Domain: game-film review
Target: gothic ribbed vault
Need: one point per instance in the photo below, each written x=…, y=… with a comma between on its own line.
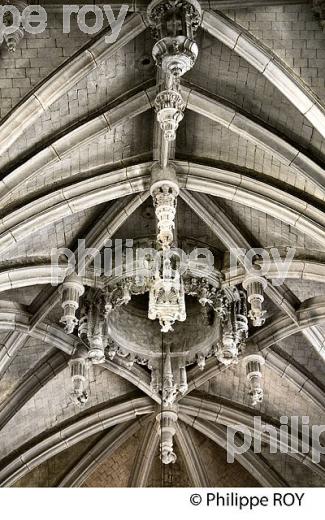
x=81, y=154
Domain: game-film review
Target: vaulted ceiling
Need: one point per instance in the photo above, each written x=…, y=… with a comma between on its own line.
x=78, y=139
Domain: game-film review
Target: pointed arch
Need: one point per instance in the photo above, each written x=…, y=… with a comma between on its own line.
x=268, y=64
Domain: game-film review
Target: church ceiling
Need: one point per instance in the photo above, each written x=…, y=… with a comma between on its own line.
x=205, y=134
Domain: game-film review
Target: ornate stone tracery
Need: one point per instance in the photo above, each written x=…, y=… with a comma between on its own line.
x=254, y=363
x=164, y=194
x=174, y=24
x=169, y=106
x=78, y=373
x=255, y=286
x=72, y=289
x=167, y=297
x=231, y=308
x=167, y=420
x=175, y=56
x=168, y=376
x=159, y=278
x=225, y=313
